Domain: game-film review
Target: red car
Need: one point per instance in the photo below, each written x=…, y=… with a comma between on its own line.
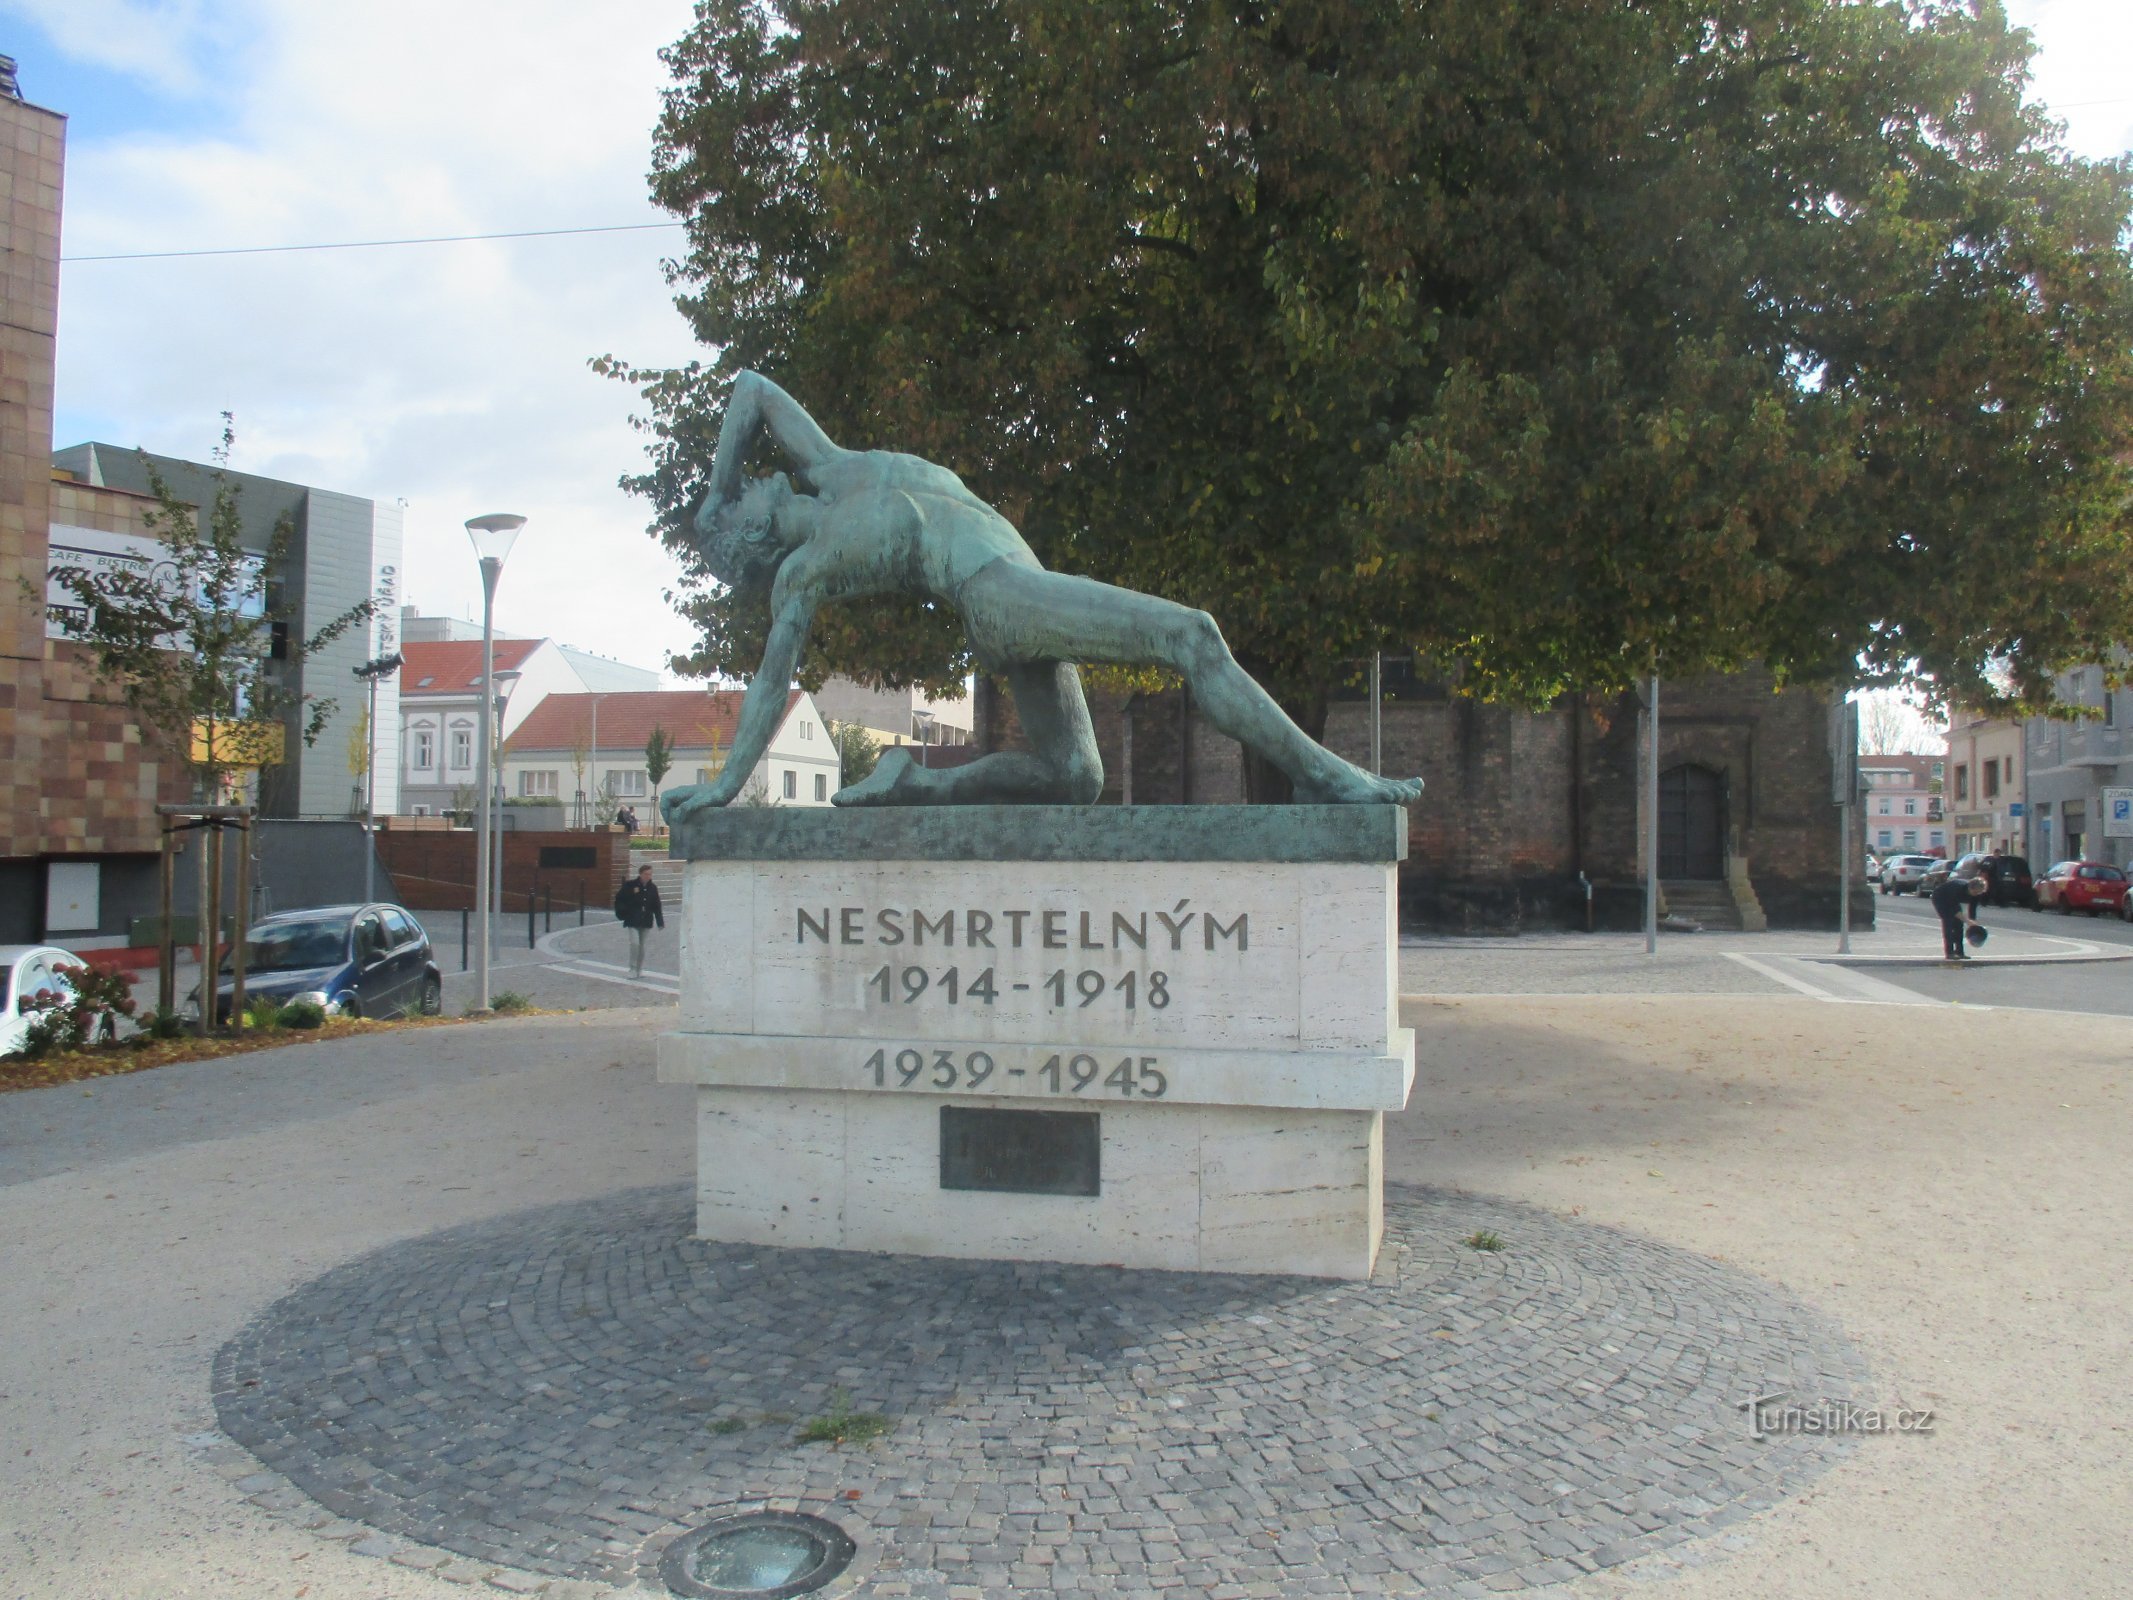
x=2090, y=886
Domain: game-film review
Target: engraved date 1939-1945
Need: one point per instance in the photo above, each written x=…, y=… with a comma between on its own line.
x=973, y=1069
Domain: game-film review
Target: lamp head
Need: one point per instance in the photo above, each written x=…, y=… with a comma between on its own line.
x=493, y=535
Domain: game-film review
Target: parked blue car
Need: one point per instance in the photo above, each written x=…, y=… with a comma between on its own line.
x=356, y=961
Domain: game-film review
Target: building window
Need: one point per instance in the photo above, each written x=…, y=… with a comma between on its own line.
x=1910, y=839
x=537, y=783
x=821, y=787
x=425, y=750
x=706, y=774
x=462, y=747
x=1962, y=783
x=807, y=729
x=626, y=785
x=2110, y=709
x=792, y=785
x=1910, y=808
x=1991, y=789
x=1886, y=838
x=1885, y=805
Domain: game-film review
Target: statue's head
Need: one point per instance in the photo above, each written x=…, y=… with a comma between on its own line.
x=743, y=543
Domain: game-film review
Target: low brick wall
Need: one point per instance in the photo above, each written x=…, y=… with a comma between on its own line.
x=435, y=869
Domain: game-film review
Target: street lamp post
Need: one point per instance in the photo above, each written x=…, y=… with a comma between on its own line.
x=493, y=536
x=370, y=672
x=506, y=681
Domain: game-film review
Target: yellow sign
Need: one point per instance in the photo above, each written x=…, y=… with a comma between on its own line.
x=237, y=744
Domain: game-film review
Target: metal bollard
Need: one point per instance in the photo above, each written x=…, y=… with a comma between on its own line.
x=529, y=919
x=581, y=905
x=466, y=943
x=547, y=909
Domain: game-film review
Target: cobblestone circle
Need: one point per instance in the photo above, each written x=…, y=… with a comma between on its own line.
x=563, y=1391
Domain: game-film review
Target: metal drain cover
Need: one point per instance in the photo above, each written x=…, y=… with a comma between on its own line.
x=765, y=1555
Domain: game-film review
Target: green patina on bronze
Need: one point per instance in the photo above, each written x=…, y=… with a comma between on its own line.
x=1046, y=833
x=874, y=522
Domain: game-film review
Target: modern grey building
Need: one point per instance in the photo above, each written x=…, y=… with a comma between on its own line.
x=342, y=550
x=2071, y=767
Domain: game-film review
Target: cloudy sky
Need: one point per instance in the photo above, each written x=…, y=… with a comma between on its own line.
x=452, y=376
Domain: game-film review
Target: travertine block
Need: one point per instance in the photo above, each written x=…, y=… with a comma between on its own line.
x=1230, y=1024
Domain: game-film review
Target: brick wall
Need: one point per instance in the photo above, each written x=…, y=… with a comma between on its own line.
x=77, y=777
x=434, y=870
x=1518, y=803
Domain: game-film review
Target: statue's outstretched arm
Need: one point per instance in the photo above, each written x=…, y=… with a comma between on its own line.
x=760, y=406
x=763, y=706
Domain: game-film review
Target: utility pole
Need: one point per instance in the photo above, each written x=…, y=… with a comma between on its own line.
x=370, y=672
x=1377, y=712
x=1844, y=789
x=1651, y=816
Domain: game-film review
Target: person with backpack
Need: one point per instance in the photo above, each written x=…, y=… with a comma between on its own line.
x=637, y=908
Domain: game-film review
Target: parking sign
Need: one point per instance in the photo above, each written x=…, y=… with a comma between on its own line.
x=2118, y=813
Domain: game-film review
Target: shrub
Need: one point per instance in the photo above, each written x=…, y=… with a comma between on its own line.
x=303, y=1014
x=509, y=1001
x=101, y=996
x=263, y=1014
x=165, y=1022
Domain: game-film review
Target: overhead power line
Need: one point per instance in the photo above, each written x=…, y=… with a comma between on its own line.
x=371, y=244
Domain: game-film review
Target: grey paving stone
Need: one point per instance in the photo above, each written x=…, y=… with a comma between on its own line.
x=536, y=1394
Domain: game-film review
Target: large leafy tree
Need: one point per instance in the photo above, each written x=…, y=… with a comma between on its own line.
x=1555, y=344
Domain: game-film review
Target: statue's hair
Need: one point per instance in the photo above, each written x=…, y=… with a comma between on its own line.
x=741, y=544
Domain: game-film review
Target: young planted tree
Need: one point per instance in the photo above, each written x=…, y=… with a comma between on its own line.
x=359, y=762
x=856, y=751
x=193, y=642
x=658, y=762
x=580, y=763
x=1549, y=345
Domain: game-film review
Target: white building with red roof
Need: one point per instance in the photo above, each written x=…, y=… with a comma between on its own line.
x=573, y=748
x=440, y=707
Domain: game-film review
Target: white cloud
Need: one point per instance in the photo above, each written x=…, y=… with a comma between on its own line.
x=2083, y=69
x=452, y=376
x=156, y=42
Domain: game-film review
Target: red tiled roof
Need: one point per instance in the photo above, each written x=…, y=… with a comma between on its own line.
x=453, y=666
x=1919, y=767
x=691, y=717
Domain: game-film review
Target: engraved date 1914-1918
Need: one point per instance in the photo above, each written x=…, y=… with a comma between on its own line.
x=972, y=1069
x=1060, y=987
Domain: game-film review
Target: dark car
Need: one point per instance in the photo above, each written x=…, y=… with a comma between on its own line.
x=358, y=961
x=2007, y=878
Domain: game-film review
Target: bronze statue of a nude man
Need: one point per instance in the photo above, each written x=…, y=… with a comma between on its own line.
x=870, y=522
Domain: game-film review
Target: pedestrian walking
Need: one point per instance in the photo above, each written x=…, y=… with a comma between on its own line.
x=637, y=908
x=1951, y=900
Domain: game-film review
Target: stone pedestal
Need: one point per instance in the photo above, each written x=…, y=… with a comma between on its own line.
x=1153, y=1037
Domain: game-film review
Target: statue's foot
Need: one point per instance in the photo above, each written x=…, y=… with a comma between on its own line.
x=886, y=785
x=1355, y=787
x=679, y=805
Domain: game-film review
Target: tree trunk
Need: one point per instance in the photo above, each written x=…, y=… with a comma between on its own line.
x=1266, y=784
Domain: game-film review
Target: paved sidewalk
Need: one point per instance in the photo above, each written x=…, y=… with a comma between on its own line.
x=1902, y=942
x=1948, y=1186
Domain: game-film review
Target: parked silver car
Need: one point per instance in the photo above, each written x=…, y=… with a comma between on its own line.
x=1901, y=874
